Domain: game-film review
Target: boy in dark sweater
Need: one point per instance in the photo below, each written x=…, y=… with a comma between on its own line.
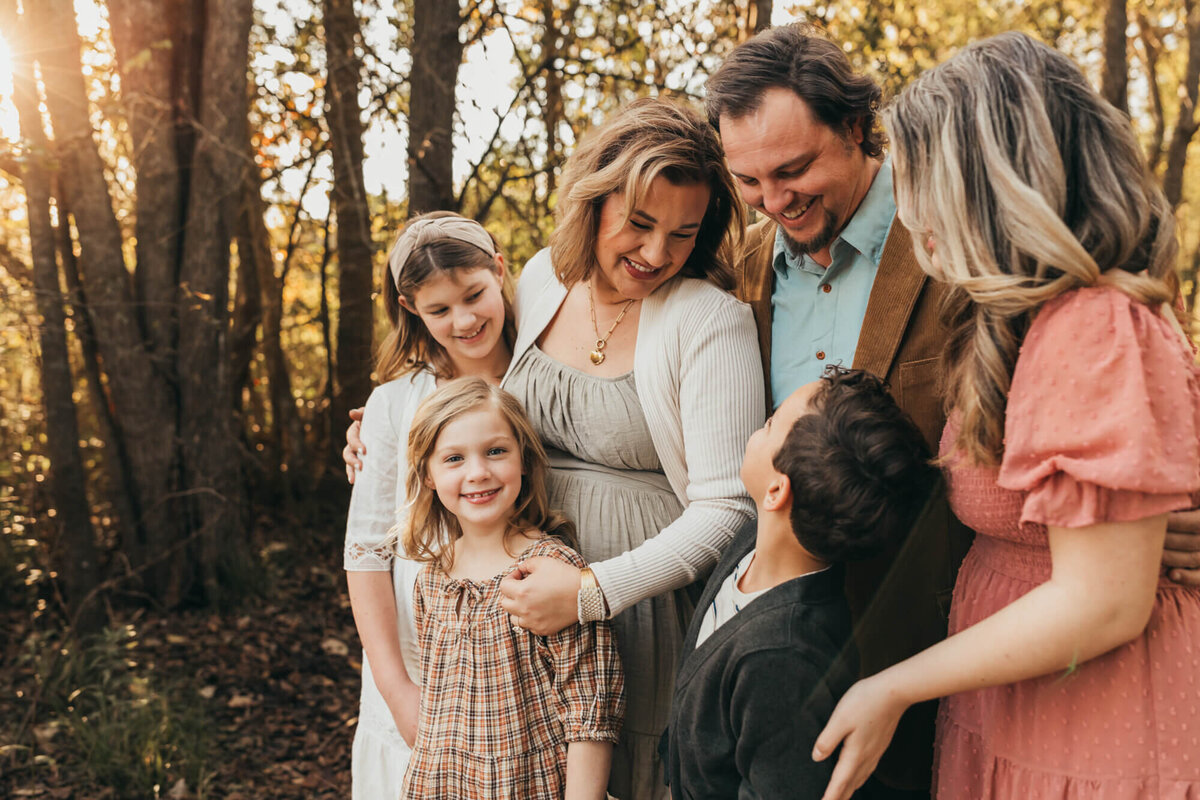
x=838, y=473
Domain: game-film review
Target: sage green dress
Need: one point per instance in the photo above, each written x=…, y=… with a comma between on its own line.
x=605, y=475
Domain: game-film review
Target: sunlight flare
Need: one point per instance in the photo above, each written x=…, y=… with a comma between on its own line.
x=8, y=112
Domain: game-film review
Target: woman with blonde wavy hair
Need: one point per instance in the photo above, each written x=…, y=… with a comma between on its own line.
x=1074, y=429
x=643, y=378
x=642, y=375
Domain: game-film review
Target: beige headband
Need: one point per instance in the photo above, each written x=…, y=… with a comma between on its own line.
x=425, y=231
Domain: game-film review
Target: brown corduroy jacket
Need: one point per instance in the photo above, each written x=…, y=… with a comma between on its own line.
x=899, y=600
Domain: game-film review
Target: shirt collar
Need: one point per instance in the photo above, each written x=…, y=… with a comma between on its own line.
x=866, y=231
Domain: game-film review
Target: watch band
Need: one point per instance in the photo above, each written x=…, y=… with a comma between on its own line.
x=590, y=601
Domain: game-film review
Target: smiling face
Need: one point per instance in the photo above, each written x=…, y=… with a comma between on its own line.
x=463, y=309
x=758, y=467
x=801, y=173
x=475, y=469
x=637, y=255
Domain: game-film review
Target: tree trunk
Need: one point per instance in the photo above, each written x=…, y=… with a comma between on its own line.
x=1151, y=47
x=143, y=405
x=247, y=309
x=1115, y=81
x=80, y=569
x=117, y=471
x=354, y=245
x=436, y=55
x=254, y=249
x=1185, y=124
x=760, y=14
x=146, y=52
x=552, y=111
x=216, y=502
x=331, y=433
x=166, y=358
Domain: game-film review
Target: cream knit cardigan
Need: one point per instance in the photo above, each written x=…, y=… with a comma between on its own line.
x=699, y=379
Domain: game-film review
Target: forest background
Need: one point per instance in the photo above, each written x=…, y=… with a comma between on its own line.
x=197, y=198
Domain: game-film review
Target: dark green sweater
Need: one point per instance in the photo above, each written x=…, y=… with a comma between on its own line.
x=750, y=702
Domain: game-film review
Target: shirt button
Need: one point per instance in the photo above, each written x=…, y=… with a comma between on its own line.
x=826, y=288
x=821, y=355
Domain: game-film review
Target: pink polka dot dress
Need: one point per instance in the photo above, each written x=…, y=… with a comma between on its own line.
x=1103, y=424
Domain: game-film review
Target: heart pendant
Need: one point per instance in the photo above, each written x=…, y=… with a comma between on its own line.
x=597, y=357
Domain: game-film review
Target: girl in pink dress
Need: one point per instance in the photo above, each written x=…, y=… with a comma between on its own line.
x=1072, y=666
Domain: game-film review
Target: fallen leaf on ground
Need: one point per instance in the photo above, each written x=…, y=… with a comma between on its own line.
x=241, y=701
x=335, y=647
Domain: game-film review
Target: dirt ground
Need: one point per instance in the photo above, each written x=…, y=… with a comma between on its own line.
x=272, y=690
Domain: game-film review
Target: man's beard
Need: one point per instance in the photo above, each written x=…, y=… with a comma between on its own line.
x=815, y=243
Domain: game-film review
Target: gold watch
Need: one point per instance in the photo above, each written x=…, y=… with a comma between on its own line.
x=590, y=602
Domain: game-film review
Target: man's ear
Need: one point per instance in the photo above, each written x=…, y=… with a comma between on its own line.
x=779, y=493
x=855, y=131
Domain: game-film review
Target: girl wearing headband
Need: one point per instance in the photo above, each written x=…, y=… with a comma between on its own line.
x=447, y=295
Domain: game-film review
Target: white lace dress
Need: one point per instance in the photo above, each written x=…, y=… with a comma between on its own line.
x=380, y=756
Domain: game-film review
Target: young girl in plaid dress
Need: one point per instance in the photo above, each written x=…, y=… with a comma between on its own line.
x=504, y=713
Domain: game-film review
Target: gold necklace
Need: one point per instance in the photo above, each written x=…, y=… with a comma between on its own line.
x=597, y=355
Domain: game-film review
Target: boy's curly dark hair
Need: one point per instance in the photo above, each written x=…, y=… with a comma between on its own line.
x=860, y=470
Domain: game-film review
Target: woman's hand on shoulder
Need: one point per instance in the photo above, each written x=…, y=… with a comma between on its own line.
x=863, y=724
x=541, y=595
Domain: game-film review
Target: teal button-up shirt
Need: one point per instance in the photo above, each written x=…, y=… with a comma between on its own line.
x=817, y=312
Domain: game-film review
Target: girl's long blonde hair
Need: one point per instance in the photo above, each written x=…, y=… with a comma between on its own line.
x=409, y=347
x=430, y=530
x=1031, y=185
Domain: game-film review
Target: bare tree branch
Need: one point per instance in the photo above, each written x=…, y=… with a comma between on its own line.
x=293, y=239
x=1151, y=42
x=1115, y=78
x=10, y=165
x=1186, y=123
x=15, y=267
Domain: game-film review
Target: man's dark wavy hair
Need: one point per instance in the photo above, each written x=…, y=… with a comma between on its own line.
x=799, y=58
x=860, y=470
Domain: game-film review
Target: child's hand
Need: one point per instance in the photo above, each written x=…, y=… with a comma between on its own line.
x=354, y=449
x=405, y=706
x=863, y=723
x=540, y=595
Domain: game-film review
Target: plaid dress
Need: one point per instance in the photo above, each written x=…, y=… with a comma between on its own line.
x=498, y=705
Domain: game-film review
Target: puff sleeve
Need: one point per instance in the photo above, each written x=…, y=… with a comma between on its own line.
x=374, y=500
x=1103, y=418
x=586, y=668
